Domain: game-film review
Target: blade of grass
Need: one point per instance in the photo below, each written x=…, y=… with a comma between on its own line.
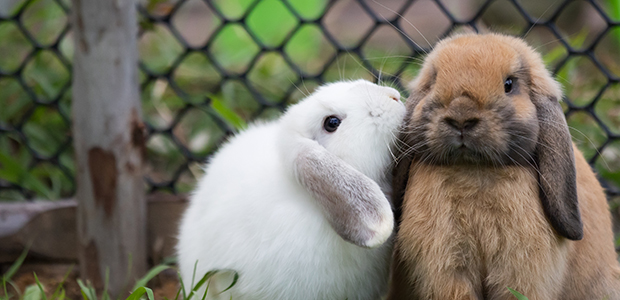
x=87, y=292
x=84, y=294
x=62, y=282
x=230, y=116
x=15, y=266
x=178, y=293
x=6, y=293
x=6, y=277
x=204, y=296
x=16, y=289
x=62, y=295
x=517, y=294
x=182, y=286
x=194, y=273
x=32, y=292
x=149, y=294
x=139, y=292
x=36, y=279
x=235, y=278
x=105, y=295
x=93, y=293
x=201, y=282
x=150, y=275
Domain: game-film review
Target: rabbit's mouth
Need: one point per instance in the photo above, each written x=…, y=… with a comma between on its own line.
x=475, y=148
x=460, y=155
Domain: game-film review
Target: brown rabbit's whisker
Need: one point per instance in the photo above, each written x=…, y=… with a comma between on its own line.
x=538, y=19
x=389, y=146
x=540, y=175
x=560, y=124
x=410, y=57
x=591, y=144
x=547, y=147
x=401, y=32
x=410, y=150
x=398, y=143
x=547, y=43
x=411, y=129
x=531, y=158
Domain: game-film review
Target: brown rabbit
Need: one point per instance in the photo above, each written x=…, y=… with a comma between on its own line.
x=492, y=186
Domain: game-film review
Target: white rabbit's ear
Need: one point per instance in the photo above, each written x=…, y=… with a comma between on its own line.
x=354, y=204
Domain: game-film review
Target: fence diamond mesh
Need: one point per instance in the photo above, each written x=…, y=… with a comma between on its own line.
x=210, y=67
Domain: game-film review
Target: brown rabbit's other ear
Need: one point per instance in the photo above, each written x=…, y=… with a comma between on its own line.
x=556, y=166
x=400, y=174
x=400, y=177
x=404, y=157
x=353, y=203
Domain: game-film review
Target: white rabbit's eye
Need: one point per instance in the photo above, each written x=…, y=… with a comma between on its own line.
x=331, y=123
x=508, y=85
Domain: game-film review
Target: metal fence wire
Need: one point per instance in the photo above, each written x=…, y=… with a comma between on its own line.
x=210, y=67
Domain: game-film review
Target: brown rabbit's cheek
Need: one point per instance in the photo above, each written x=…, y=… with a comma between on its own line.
x=420, y=126
x=524, y=108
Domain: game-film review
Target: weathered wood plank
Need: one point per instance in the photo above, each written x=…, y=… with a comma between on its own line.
x=50, y=228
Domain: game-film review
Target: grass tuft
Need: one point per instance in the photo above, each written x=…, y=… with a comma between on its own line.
x=517, y=294
x=87, y=290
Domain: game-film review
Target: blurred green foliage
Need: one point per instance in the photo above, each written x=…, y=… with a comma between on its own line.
x=190, y=103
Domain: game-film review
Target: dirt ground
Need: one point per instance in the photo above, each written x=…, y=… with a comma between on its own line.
x=165, y=285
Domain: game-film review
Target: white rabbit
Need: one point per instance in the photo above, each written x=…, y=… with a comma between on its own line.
x=296, y=206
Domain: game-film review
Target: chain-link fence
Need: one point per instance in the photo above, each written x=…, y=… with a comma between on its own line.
x=210, y=67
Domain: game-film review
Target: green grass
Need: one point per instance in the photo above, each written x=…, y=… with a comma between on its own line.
x=517, y=294
x=140, y=290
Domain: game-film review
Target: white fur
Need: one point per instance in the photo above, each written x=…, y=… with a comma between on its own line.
x=251, y=215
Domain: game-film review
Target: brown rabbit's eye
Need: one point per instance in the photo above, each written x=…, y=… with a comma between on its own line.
x=331, y=123
x=508, y=85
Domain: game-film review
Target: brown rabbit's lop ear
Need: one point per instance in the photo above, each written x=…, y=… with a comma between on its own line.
x=354, y=204
x=554, y=151
x=555, y=157
x=556, y=166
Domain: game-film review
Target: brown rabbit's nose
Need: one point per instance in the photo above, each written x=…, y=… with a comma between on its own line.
x=462, y=125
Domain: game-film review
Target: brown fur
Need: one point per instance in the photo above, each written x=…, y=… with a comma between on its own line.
x=474, y=224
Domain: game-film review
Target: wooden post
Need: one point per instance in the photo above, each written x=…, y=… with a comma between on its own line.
x=109, y=139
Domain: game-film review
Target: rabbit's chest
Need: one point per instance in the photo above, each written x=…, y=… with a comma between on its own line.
x=474, y=221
